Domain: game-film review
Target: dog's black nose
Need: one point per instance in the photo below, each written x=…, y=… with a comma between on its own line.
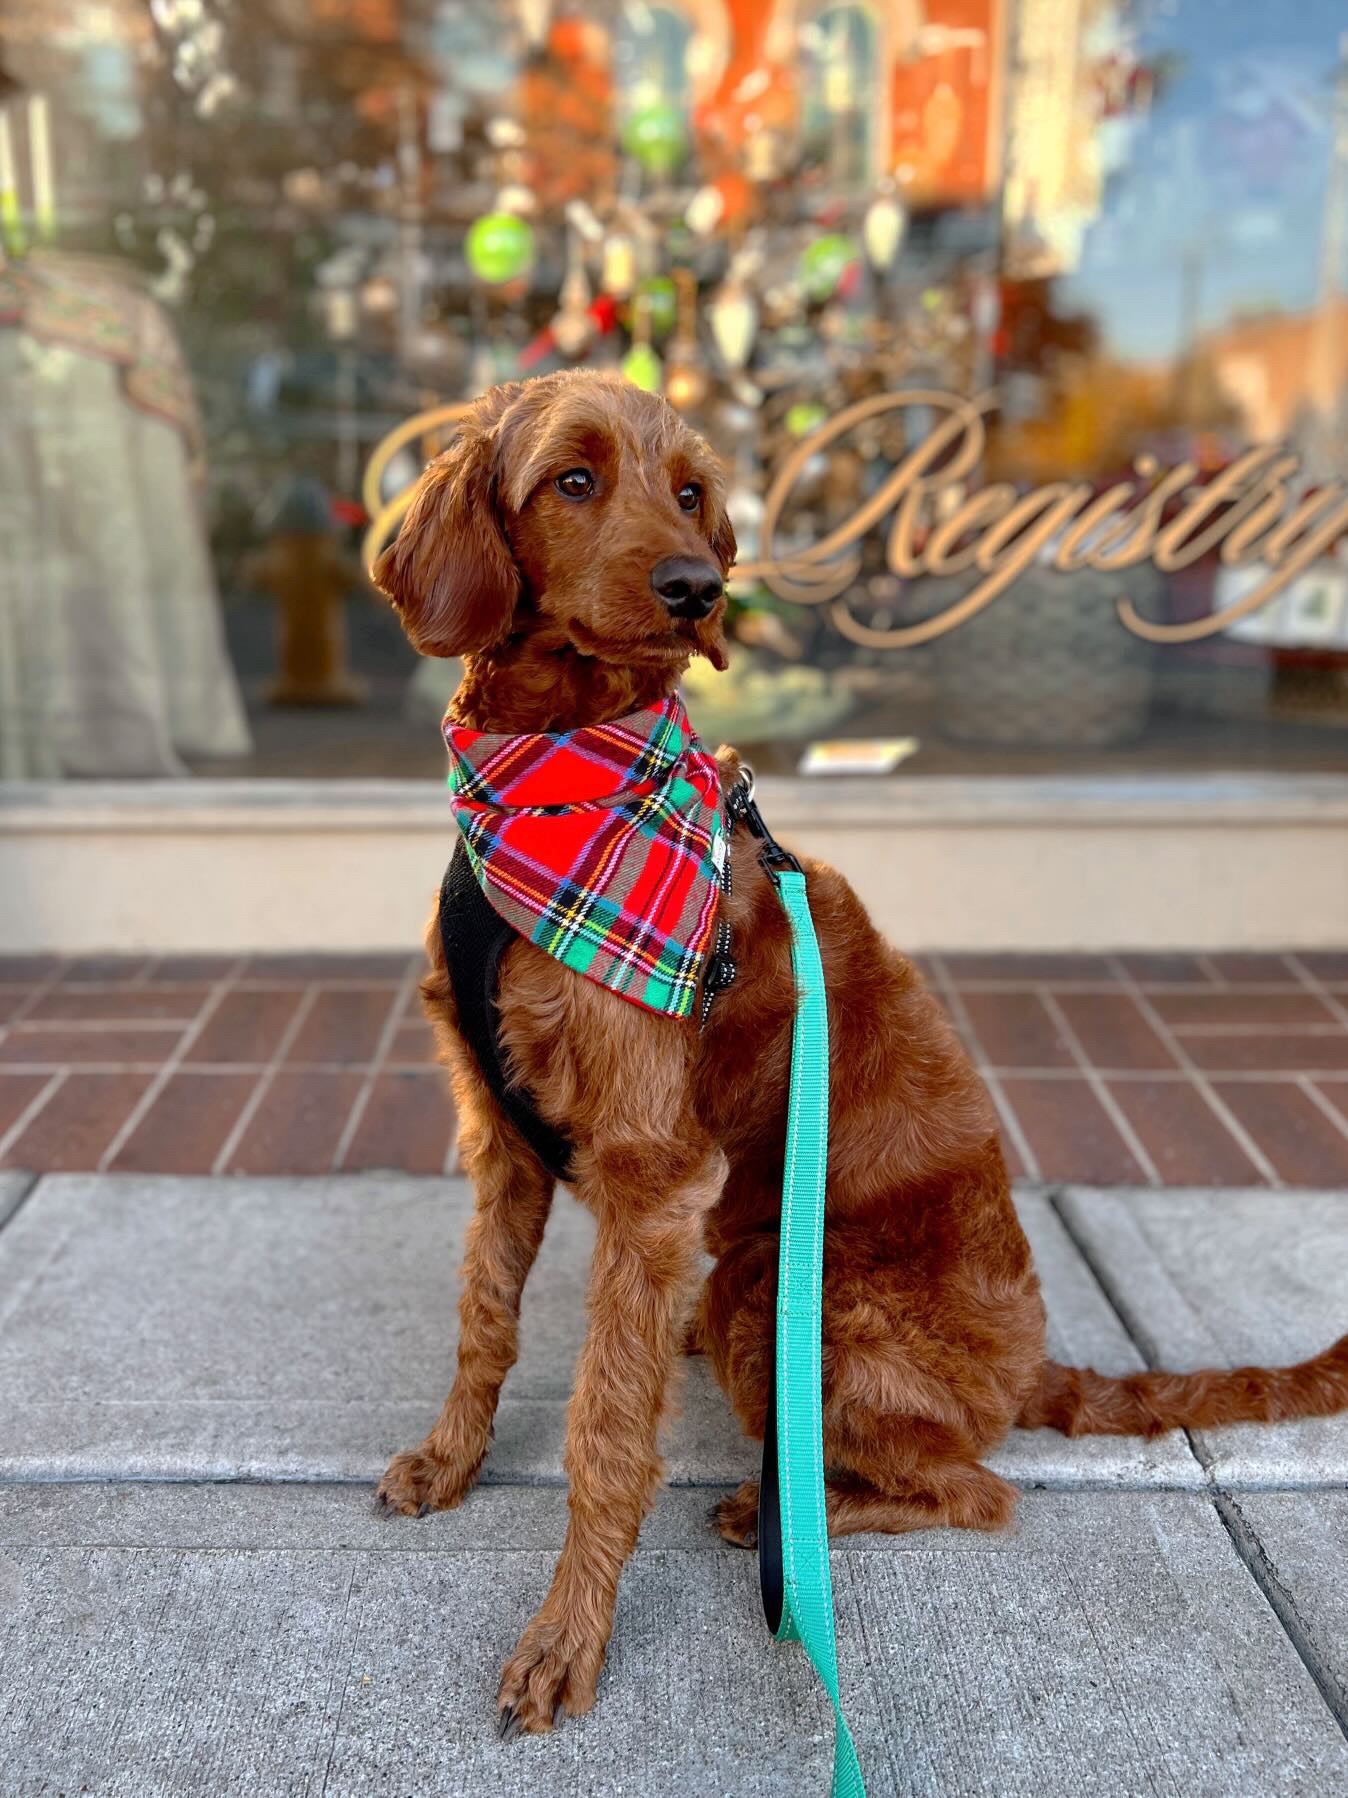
x=688, y=587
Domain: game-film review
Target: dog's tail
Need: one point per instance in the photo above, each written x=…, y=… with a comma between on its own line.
x=1080, y=1402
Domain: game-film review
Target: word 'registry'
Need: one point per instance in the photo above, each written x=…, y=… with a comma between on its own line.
x=1248, y=513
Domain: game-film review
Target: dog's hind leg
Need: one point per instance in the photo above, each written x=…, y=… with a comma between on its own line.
x=514, y=1196
x=942, y=1494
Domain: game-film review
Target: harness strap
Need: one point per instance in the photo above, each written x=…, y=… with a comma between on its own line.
x=474, y=937
x=792, y=1519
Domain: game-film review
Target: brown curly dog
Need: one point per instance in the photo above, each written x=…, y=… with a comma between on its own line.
x=528, y=550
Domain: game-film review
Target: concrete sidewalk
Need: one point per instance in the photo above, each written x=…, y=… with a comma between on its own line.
x=200, y=1381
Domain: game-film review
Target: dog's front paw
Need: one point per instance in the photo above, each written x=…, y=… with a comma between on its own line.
x=554, y=1670
x=417, y=1482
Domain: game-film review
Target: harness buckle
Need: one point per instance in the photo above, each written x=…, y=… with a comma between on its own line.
x=741, y=809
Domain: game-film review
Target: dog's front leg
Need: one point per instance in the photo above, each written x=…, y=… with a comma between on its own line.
x=514, y=1196
x=649, y=1200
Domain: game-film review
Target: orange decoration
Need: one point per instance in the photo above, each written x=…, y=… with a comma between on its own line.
x=753, y=94
x=565, y=103
x=947, y=104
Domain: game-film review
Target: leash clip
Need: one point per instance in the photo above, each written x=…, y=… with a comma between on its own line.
x=742, y=809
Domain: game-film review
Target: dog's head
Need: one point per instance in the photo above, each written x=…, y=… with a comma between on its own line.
x=574, y=503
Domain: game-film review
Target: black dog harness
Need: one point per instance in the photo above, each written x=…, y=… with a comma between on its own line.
x=474, y=937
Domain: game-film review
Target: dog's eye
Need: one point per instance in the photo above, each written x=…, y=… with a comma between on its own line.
x=576, y=483
x=689, y=495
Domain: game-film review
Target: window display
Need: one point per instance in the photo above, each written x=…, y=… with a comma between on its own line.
x=1079, y=265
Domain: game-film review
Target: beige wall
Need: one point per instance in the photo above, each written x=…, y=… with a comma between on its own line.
x=953, y=864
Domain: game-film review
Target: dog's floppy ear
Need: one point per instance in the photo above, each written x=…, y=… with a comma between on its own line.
x=723, y=544
x=449, y=571
x=709, y=633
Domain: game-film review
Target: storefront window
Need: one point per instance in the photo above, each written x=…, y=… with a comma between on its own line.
x=243, y=243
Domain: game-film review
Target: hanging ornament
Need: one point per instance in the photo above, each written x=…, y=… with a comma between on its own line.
x=573, y=327
x=656, y=137
x=824, y=263
x=883, y=230
x=499, y=247
x=733, y=318
x=722, y=205
x=660, y=299
x=686, y=381
x=618, y=270
x=804, y=417
x=705, y=211
x=534, y=16
x=580, y=215
x=517, y=199
x=765, y=155
x=643, y=368
x=685, y=386
x=641, y=365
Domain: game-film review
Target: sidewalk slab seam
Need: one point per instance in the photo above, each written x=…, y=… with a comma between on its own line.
x=1226, y=1277
x=15, y=1190
x=1315, y=1654
x=187, y=1328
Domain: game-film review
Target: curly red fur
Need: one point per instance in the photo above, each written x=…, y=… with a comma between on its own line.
x=933, y=1324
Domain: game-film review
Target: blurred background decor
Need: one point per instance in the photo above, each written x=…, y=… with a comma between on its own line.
x=274, y=229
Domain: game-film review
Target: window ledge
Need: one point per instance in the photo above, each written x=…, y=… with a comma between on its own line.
x=1087, y=801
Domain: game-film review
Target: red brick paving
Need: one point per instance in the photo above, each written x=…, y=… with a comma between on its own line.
x=1183, y=1068
x=1188, y=1141
x=1112, y=1032
x=17, y=1093
x=1254, y=1010
x=412, y=1045
x=1162, y=969
x=246, y=1026
x=1071, y=1133
x=75, y=1127
x=1238, y=969
x=1301, y=1141
x=1016, y=1031
x=58, y=1046
x=185, y=1125
x=1290, y=1053
x=297, y=1124
x=344, y=1025
x=12, y=1000
x=407, y=1123
x=88, y=1004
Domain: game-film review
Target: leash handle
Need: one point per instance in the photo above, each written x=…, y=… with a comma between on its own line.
x=793, y=1444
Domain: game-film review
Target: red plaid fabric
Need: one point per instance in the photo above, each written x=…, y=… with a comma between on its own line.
x=602, y=845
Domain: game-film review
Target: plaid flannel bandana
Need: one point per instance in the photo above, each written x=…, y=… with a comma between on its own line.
x=603, y=845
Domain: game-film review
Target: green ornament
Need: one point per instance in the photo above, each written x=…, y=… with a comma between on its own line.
x=823, y=262
x=804, y=417
x=661, y=303
x=499, y=247
x=655, y=135
x=643, y=369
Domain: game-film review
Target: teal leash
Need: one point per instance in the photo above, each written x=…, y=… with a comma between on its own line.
x=793, y=1559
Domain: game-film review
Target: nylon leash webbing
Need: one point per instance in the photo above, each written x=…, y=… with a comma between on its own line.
x=793, y=1522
